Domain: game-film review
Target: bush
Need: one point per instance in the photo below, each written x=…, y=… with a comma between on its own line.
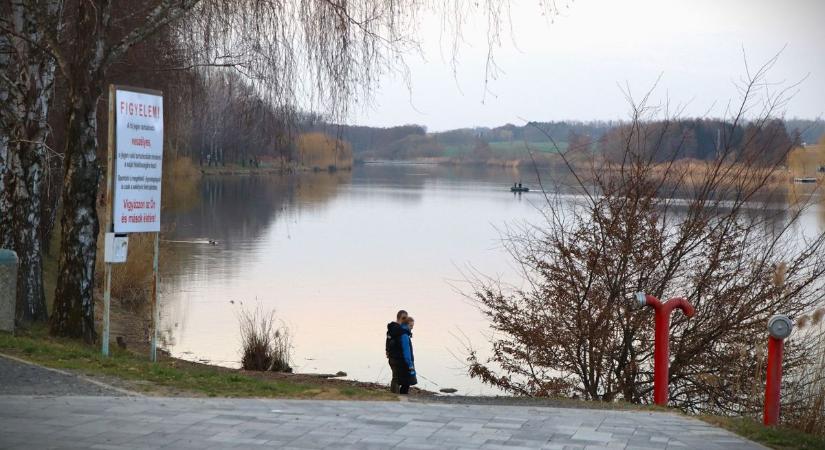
x=132, y=280
x=265, y=345
x=669, y=229
x=803, y=403
x=317, y=150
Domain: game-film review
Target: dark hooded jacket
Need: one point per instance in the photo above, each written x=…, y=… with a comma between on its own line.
x=393, y=344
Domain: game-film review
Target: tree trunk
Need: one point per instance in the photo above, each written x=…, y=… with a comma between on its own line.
x=31, y=301
x=5, y=199
x=6, y=181
x=73, y=312
x=28, y=90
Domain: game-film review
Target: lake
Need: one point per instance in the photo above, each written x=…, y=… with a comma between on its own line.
x=336, y=255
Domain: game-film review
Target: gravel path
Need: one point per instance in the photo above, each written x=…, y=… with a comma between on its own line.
x=19, y=378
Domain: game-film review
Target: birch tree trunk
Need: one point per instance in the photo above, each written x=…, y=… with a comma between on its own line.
x=31, y=301
x=5, y=200
x=28, y=79
x=5, y=125
x=85, y=71
x=5, y=181
x=73, y=312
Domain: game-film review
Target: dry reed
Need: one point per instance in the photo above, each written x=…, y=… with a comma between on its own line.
x=803, y=402
x=264, y=344
x=318, y=151
x=132, y=280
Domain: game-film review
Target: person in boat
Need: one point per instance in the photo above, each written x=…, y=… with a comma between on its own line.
x=394, y=353
x=407, y=377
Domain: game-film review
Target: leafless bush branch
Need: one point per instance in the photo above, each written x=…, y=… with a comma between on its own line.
x=644, y=216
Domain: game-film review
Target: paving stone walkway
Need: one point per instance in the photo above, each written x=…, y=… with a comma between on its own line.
x=20, y=378
x=149, y=422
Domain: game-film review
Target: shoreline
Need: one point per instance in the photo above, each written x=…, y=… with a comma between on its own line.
x=133, y=327
x=237, y=170
x=315, y=378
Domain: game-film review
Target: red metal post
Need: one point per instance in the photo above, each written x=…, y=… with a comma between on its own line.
x=661, y=350
x=774, y=380
x=661, y=358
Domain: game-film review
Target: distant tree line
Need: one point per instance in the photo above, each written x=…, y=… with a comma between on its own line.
x=809, y=131
x=765, y=143
x=685, y=138
x=364, y=138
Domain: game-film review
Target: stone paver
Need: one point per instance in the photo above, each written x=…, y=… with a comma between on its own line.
x=18, y=378
x=151, y=422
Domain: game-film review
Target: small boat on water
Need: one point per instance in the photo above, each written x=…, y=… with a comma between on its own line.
x=519, y=188
x=805, y=180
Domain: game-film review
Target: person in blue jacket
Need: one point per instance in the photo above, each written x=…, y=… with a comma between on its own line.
x=393, y=351
x=408, y=377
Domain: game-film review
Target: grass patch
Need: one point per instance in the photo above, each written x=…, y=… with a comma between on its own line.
x=169, y=374
x=780, y=438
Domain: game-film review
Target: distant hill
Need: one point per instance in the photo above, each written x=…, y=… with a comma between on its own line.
x=688, y=138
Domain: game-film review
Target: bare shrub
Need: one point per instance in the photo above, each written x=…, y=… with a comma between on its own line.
x=264, y=344
x=803, y=403
x=639, y=221
x=281, y=351
x=132, y=280
x=319, y=150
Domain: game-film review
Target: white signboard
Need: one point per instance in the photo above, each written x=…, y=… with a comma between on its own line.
x=138, y=161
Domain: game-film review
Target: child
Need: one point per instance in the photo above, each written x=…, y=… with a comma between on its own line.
x=408, y=379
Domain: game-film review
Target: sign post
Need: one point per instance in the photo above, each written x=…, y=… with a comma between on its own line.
x=134, y=184
x=107, y=223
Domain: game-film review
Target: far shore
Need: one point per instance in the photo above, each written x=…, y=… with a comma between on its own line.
x=235, y=169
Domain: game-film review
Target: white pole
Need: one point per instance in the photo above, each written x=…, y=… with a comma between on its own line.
x=110, y=161
x=155, y=305
x=107, y=299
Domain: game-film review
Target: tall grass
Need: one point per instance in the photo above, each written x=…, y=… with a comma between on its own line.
x=264, y=344
x=319, y=151
x=806, y=161
x=132, y=280
x=803, y=402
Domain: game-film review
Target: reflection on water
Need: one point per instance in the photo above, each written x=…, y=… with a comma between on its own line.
x=337, y=255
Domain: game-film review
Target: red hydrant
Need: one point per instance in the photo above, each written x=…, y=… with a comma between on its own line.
x=779, y=327
x=661, y=350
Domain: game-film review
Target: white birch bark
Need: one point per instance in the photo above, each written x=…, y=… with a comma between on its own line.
x=5, y=126
x=27, y=83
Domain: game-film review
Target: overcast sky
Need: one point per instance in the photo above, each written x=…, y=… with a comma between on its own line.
x=572, y=68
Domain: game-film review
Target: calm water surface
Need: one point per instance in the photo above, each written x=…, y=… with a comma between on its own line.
x=336, y=255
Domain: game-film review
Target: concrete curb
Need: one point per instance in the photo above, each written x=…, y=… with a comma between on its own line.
x=125, y=392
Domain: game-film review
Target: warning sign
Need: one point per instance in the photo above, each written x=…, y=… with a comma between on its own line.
x=138, y=161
